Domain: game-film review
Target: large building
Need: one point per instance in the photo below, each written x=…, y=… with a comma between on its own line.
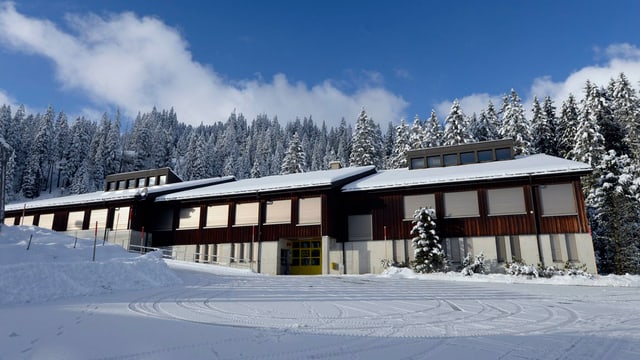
x=344, y=220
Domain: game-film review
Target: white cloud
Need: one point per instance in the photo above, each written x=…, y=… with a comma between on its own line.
x=135, y=63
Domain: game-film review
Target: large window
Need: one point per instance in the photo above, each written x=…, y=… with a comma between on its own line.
x=455, y=249
x=508, y=201
x=189, y=218
x=99, y=216
x=121, y=218
x=572, y=247
x=247, y=214
x=9, y=221
x=46, y=221
x=415, y=202
x=417, y=163
x=557, y=200
x=279, y=211
x=310, y=210
x=360, y=228
x=450, y=159
x=27, y=220
x=434, y=161
x=461, y=204
x=217, y=216
x=75, y=220
x=165, y=220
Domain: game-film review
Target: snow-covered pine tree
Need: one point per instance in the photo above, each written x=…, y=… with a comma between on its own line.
x=588, y=141
x=541, y=131
x=626, y=111
x=366, y=144
x=399, y=154
x=294, y=157
x=515, y=125
x=428, y=253
x=612, y=130
x=614, y=211
x=456, y=128
x=567, y=126
x=417, y=134
x=433, y=131
x=483, y=128
x=388, y=144
x=551, y=121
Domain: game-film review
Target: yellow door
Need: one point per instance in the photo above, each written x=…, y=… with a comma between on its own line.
x=306, y=257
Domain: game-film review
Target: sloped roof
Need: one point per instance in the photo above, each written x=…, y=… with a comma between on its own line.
x=106, y=196
x=539, y=164
x=273, y=183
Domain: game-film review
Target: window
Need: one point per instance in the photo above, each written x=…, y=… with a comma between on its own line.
x=415, y=202
x=450, y=159
x=165, y=220
x=9, y=221
x=508, y=201
x=142, y=182
x=461, y=204
x=162, y=179
x=417, y=163
x=503, y=154
x=100, y=216
x=434, y=161
x=121, y=184
x=189, y=218
x=515, y=248
x=557, y=200
x=131, y=183
x=75, y=220
x=310, y=210
x=217, y=216
x=278, y=212
x=46, y=221
x=556, y=247
x=572, y=247
x=152, y=180
x=501, y=248
x=454, y=251
x=247, y=214
x=360, y=228
x=27, y=220
x=485, y=155
x=467, y=157
x=121, y=218
x=111, y=185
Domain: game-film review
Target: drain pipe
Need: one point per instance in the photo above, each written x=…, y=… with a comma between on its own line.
x=534, y=204
x=344, y=259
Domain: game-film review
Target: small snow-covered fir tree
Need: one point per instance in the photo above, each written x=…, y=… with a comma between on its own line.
x=417, y=134
x=367, y=143
x=429, y=255
x=398, y=157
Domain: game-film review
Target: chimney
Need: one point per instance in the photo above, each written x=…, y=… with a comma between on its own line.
x=334, y=165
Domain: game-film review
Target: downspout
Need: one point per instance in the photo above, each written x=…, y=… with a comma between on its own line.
x=344, y=259
x=534, y=203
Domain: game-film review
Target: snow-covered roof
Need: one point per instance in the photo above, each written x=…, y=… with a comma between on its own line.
x=102, y=196
x=272, y=183
x=539, y=164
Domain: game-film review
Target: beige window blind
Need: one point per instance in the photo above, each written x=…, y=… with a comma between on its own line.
x=309, y=210
x=415, y=202
x=507, y=201
x=461, y=204
x=217, y=215
x=279, y=211
x=247, y=214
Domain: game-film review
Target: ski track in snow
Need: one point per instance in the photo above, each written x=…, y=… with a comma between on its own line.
x=323, y=317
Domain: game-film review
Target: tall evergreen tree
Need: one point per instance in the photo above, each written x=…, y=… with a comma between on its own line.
x=366, y=142
x=433, y=131
x=456, y=130
x=399, y=154
x=588, y=141
x=515, y=125
x=626, y=111
x=615, y=210
x=567, y=126
x=542, y=133
x=294, y=157
x=551, y=121
x=417, y=135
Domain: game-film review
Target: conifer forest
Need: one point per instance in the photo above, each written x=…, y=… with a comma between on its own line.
x=54, y=155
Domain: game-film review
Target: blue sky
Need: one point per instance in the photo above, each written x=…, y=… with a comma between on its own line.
x=298, y=58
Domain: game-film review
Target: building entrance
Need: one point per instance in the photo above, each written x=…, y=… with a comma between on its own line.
x=306, y=257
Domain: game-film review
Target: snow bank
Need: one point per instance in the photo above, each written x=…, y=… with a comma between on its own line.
x=52, y=268
x=608, y=280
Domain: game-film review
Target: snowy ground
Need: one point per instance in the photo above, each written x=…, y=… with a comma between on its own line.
x=55, y=303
